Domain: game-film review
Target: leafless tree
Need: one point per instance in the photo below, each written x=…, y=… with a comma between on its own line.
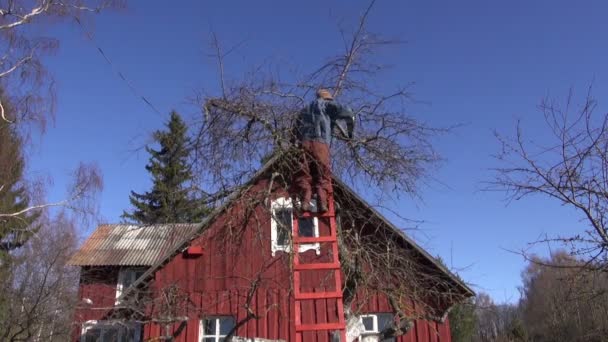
x=562, y=301
x=569, y=168
x=38, y=288
x=28, y=84
x=253, y=118
x=497, y=322
x=27, y=93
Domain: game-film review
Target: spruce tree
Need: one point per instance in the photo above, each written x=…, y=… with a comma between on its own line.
x=14, y=198
x=171, y=199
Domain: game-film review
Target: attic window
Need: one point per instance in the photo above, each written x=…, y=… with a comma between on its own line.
x=282, y=226
x=126, y=277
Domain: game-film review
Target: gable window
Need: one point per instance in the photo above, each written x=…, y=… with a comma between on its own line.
x=373, y=324
x=282, y=225
x=126, y=277
x=108, y=331
x=215, y=329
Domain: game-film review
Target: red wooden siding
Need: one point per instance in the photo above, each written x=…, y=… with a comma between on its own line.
x=97, y=284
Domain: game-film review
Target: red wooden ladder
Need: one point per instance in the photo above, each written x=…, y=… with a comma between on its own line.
x=334, y=266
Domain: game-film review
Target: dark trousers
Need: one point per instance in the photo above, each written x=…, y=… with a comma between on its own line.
x=315, y=171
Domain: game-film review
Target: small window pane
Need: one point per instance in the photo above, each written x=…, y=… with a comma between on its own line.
x=282, y=237
x=284, y=220
x=368, y=323
x=139, y=273
x=226, y=325
x=306, y=227
x=128, y=276
x=92, y=335
x=110, y=334
x=209, y=339
x=209, y=326
x=384, y=321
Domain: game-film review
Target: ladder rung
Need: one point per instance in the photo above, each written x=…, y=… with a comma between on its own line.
x=308, y=214
x=318, y=266
x=301, y=240
x=317, y=295
x=320, y=326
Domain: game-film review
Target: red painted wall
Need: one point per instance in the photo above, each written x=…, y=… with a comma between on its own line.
x=99, y=285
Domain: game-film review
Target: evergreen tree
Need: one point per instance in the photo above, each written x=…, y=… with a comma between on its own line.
x=171, y=199
x=463, y=321
x=14, y=198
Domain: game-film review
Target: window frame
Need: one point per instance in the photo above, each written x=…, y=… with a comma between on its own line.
x=104, y=325
x=217, y=336
x=286, y=203
x=374, y=324
x=376, y=329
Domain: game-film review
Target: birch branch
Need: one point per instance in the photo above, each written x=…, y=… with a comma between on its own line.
x=26, y=18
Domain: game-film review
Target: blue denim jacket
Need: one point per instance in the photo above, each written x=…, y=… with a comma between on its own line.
x=315, y=120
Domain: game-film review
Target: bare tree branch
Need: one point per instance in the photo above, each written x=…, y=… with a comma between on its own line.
x=571, y=169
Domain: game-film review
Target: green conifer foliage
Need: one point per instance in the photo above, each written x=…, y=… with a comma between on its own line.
x=171, y=199
x=17, y=223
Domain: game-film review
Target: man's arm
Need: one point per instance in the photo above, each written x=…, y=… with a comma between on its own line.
x=343, y=113
x=340, y=112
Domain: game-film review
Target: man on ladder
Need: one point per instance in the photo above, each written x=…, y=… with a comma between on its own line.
x=313, y=130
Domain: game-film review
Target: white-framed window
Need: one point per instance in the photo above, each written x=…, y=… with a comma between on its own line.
x=281, y=226
x=373, y=324
x=109, y=331
x=215, y=329
x=126, y=277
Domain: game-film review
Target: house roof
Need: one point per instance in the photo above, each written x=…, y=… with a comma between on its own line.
x=457, y=280
x=264, y=170
x=131, y=245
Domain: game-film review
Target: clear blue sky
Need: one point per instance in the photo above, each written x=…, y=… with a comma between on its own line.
x=481, y=63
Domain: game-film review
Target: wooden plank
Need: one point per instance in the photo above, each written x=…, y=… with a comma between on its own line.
x=262, y=330
x=306, y=328
x=446, y=333
x=273, y=314
x=423, y=332
x=302, y=240
x=290, y=307
x=318, y=295
x=433, y=332
x=318, y=266
x=192, y=327
x=321, y=317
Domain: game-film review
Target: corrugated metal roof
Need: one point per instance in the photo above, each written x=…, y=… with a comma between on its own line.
x=131, y=245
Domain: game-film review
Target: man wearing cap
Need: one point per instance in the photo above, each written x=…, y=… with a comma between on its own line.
x=313, y=131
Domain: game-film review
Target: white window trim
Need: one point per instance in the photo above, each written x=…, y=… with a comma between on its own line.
x=286, y=203
x=104, y=325
x=374, y=334
x=375, y=324
x=201, y=328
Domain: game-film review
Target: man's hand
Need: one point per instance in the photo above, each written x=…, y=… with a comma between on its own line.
x=350, y=127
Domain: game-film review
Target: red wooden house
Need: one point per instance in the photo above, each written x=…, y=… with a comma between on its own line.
x=233, y=275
